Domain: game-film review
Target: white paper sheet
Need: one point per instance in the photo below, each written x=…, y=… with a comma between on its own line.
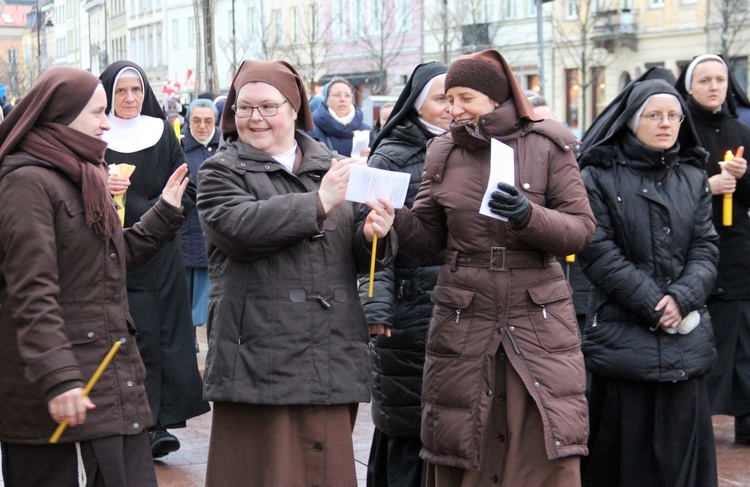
x=502, y=169
x=368, y=183
x=360, y=142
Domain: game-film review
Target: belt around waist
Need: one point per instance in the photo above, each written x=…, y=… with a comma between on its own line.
x=500, y=259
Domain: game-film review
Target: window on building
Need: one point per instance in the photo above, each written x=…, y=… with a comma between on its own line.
x=403, y=13
x=656, y=3
x=313, y=26
x=294, y=15
x=572, y=89
x=150, y=48
x=191, y=31
x=339, y=19
x=509, y=9
x=598, y=90
x=175, y=33
x=357, y=18
x=571, y=9
x=159, y=47
x=376, y=15
x=12, y=56
x=277, y=27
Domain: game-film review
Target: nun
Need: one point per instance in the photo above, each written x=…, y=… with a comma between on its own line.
x=63, y=262
x=648, y=340
x=158, y=292
x=399, y=311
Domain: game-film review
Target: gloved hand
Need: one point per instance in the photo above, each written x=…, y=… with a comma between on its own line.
x=510, y=203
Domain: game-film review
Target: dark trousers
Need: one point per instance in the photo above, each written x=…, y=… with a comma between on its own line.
x=395, y=462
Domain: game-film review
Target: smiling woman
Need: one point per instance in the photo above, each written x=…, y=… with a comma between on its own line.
x=63, y=262
x=284, y=249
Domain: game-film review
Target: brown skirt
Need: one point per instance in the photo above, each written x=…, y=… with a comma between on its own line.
x=269, y=446
x=513, y=452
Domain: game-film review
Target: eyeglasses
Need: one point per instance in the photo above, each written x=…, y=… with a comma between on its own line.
x=655, y=117
x=341, y=95
x=265, y=110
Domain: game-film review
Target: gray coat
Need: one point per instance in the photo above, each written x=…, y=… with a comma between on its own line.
x=285, y=323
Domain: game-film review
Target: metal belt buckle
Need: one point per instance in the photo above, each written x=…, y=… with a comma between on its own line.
x=497, y=256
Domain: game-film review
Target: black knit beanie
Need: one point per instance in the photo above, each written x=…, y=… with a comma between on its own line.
x=479, y=75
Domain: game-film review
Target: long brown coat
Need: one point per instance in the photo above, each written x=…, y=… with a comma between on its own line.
x=63, y=298
x=527, y=311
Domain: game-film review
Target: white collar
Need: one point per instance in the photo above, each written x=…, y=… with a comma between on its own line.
x=346, y=119
x=205, y=143
x=287, y=158
x=133, y=134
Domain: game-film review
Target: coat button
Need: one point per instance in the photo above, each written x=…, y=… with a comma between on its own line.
x=557, y=443
x=511, y=328
x=501, y=397
x=136, y=426
x=566, y=147
x=129, y=383
x=113, y=256
x=526, y=185
x=500, y=437
x=667, y=230
x=681, y=373
x=645, y=190
x=268, y=166
x=318, y=447
x=116, y=297
x=210, y=149
x=90, y=334
x=437, y=176
x=242, y=164
x=536, y=384
x=489, y=392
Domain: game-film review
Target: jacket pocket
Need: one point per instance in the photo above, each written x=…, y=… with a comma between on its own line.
x=552, y=316
x=451, y=320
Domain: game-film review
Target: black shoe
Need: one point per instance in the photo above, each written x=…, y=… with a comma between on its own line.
x=162, y=443
x=742, y=429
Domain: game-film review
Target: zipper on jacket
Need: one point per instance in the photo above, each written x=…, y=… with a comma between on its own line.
x=544, y=311
x=401, y=288
x=458, y=315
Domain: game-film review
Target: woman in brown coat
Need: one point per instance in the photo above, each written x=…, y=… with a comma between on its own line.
x=63, y=259
x=503, y=395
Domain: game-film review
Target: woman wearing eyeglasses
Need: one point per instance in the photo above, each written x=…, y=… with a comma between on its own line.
x=288, y=359
x=648, y=340
x=338, y=117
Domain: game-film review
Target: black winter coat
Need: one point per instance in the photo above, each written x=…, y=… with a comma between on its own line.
x=654, y=237
x=718, y=133
x=193, y=241
x=402, y=300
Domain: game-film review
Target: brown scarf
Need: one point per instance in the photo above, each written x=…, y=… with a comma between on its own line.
x=81, y=158
x=39, y=126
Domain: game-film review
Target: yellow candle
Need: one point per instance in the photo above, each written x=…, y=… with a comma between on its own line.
x=176, y=125
x=726, y=215
x=61, y=427
x=372, y=264
x=570, y=258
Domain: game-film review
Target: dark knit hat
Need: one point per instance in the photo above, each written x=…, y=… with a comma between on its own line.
x=481, y=73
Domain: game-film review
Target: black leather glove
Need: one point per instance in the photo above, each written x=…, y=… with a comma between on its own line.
x=510, y=203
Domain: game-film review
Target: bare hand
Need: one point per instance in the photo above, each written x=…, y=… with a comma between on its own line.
x=70, y=406
x=672, y=316
x=365, y=152
x=737, y=166
x=333, y=186
x=173, y=191
x=379, y=220
x=117, y=185
x=722, y=183
x=377, y=329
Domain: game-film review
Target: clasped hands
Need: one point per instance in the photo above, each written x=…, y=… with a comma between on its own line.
x=507, y=201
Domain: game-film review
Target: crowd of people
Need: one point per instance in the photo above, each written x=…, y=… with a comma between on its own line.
x=576, y=323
